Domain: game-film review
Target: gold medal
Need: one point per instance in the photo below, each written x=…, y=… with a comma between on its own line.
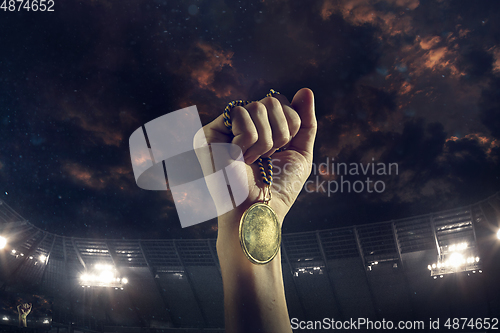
x=260, y=233
x=260, y=230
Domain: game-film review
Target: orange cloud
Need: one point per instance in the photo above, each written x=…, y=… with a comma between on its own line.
x=127, y=118
x=431, y=54
x=428, y=54
x=462, y=33
x=212, y=60
x=94, y=121
x=115, y=176
x=428, y=43
x=486, y=143
x=405, y=88
x=89, y=112
x=359, y=12
x=84, y=176
x=495, y=51
x=423, y=74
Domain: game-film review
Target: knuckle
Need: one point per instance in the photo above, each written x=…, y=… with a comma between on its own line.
x=280, y=140
x=272, y=102
x=265, y=145
x=257, y=109
x=237, y=111
x=252, y=137
x=269, y=144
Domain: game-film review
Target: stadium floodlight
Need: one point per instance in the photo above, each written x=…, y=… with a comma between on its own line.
x=455, y=258
x=498, y=234
x=102, y=275
x=298, y=270
x=106, y=276
x=3, y=242
x=42, y=257
x=103, y=267
x=458, y=247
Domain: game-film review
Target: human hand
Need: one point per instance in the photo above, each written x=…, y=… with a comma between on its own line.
x=260, y=129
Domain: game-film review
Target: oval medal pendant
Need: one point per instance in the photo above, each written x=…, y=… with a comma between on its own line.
x=260, y=233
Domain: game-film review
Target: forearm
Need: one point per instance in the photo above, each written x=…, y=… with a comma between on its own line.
x=254, y=297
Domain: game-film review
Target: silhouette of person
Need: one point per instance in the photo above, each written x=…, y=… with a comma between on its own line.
x=23, y=310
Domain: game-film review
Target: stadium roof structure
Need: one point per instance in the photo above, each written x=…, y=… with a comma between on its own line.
x=394, y=270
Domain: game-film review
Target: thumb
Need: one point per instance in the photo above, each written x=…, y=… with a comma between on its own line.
x=303, y=141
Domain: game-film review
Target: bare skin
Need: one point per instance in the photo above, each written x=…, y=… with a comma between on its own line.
x=254, y=297
x=23, y=310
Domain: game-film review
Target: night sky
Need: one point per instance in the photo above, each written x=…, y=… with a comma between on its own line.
x=396, y=81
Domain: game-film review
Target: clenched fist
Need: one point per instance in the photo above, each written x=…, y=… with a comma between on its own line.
x=260, y=129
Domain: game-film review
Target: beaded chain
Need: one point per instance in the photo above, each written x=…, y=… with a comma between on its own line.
x=266, y=178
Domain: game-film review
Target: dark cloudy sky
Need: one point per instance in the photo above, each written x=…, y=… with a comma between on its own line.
x=398, y=81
